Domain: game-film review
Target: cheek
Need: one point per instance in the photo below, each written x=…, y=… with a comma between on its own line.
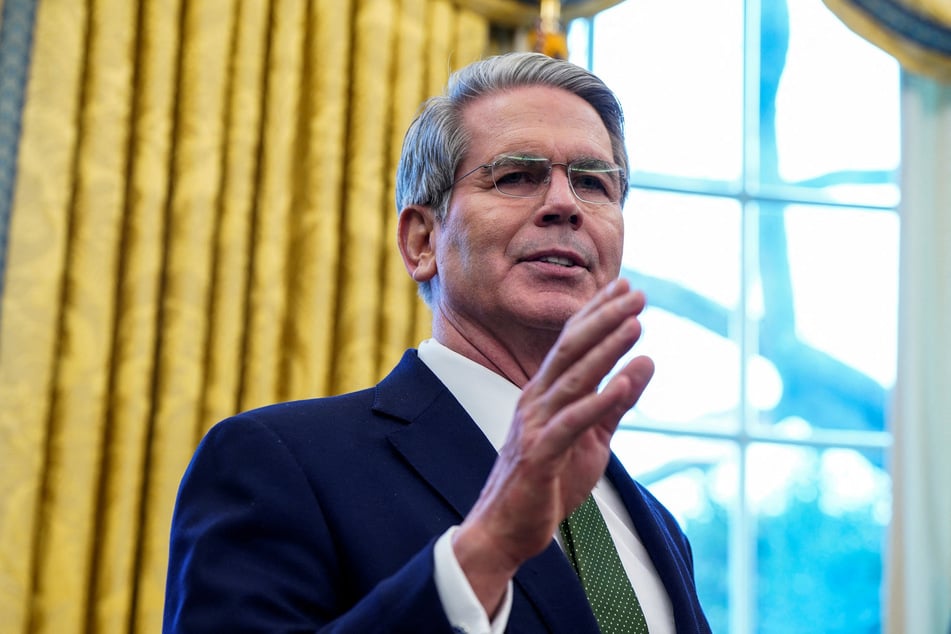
x=610, y=241
x=476, y=244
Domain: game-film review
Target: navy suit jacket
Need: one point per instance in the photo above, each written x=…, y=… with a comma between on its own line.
x=321, y=515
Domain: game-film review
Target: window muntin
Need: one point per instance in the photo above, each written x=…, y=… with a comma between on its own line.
x=764, y=139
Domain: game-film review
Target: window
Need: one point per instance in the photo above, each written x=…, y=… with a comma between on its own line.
x=762, y=224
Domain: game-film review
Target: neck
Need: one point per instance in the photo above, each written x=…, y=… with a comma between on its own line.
x=516, y=357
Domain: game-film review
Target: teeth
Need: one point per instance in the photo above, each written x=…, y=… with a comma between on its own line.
x=557, y=260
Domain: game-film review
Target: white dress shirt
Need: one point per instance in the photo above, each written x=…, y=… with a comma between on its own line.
x=490, y=400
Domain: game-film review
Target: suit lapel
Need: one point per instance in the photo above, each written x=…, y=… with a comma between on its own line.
x=658, y=536
x=551, y=585
x=449, y=451
x=441, y=442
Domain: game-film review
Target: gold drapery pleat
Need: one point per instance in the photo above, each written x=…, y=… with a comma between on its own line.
x=203, y=222
x=916, y=32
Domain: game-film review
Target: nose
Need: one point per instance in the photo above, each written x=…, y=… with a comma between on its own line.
x=559, y=204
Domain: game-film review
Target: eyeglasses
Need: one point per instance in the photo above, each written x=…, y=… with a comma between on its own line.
x=591, y=180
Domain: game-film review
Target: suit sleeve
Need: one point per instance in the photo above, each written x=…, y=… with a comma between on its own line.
x=250, y=551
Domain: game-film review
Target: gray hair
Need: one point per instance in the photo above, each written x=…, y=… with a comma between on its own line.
x=436, y=141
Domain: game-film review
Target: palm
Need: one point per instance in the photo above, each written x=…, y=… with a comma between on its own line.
x=559, y=441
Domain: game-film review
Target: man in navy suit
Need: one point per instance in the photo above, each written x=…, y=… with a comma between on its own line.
x=431, y=502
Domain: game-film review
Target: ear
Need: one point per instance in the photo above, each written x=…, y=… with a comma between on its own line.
x=416, y=237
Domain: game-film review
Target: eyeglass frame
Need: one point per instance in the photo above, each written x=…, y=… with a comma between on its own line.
x=622, y=179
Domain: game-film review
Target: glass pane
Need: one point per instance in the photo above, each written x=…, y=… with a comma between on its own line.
x=820, y=520
x=827, y=319
x=696, y=480
x=684, y=252
x=829, y=106
x=680, y=82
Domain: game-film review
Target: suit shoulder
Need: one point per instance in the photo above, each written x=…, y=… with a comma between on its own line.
x=360, y=399
x=292, y=420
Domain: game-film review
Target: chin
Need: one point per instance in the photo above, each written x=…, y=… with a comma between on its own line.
x=550, y=315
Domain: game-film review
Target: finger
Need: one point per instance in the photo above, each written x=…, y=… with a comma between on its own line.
x=605, y=409
x=615, y=290
x=597, y=321
x=586, y=374
x=638, y=372
x=563, y=420
x=587, y=350
x=599, y=411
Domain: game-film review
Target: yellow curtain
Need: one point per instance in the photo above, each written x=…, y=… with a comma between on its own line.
x=916, y=32
x=202, y=222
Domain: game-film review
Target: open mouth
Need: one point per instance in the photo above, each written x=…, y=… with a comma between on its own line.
x=555, y=259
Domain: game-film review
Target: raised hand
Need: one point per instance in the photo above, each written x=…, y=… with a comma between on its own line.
x=559, y=441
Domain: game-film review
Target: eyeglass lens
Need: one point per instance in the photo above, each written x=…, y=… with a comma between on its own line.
x=591, y=180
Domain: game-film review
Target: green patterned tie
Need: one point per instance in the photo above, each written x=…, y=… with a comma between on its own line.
x=591, y=550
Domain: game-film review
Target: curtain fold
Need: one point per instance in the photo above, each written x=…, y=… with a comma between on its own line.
x=202, y=222
x=916, y=32
x=919, y=562
x=16, y=37
x=31, y=341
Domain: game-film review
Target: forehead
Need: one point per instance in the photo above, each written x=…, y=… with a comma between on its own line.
x=544, y=120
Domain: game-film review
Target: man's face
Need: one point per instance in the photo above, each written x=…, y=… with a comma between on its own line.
x=506, y=264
